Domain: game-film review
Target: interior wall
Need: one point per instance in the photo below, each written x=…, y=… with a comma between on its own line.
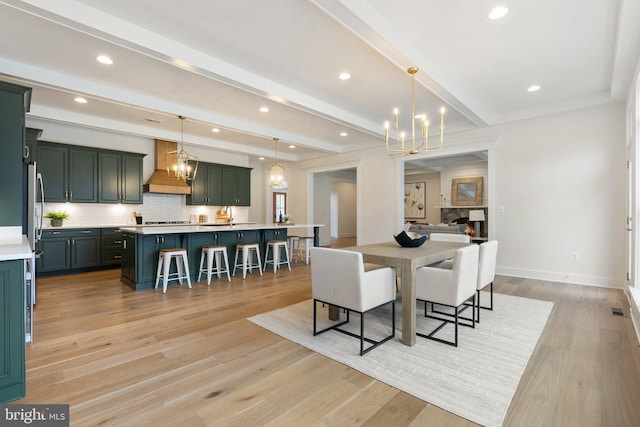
x=347, y=208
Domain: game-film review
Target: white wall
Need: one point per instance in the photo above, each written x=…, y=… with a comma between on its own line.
x=347, y=208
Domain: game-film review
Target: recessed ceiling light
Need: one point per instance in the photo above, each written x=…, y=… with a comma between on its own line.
x=264, y=110
x=343, y=134
x=533, y=88
x=215, y=130
x=104, y=59
x=344, y=76
x=292, y=146
x=261, y=158
x=498, y=12
x=80, y=100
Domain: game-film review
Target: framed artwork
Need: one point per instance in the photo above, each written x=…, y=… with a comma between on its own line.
x=415, y=200
x=466, y=191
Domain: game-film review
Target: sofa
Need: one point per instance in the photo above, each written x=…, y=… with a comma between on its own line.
x=428, y=229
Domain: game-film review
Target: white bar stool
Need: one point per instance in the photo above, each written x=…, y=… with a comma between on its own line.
x=292, y=243
x=164, y=264
x=247, y=258
x=211, y=253
x=275, y=246
x=308, y=244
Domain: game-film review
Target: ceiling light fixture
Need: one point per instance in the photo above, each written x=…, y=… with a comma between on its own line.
x=292, y=146
x=80, y=100
x=423, y=145
x=180, y=163
x=277, y=174
x=215, y=130
x=264, y=110
x=344, y=76
x=498, y=12
x=343, y=134
x=104, y=59
x=533, y=88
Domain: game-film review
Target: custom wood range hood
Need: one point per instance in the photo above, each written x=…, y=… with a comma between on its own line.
x=160, y=181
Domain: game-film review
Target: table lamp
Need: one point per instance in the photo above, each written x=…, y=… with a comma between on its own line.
x=476, y=217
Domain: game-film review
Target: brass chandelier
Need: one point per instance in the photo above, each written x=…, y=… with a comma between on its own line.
x=180, y=163
x=404, y=147
x=277, y=174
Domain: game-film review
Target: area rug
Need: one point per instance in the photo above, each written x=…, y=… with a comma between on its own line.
x=476, y=380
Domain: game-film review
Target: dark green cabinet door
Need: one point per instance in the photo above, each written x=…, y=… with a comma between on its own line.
x=13, y=105
x=109, y=182
x=31, y=145
x=53, y=164
x=55, y=254
x=229, y=185
x=148, y=248
x=83, y=176
x=198, y=194
x=12, y=331
x=195, y=242
x=85, y=251
x=131, y=179
x=129, y=257
x=214, y=185
x=243, y=187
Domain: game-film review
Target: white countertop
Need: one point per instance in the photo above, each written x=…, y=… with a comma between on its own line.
x=193, y=228
x=17, y=250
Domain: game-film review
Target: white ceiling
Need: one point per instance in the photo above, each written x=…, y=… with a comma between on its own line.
x=218, y=61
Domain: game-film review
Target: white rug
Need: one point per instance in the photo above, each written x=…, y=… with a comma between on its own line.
x=476, y=380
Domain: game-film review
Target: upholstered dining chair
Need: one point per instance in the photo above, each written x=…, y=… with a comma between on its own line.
x=449, y=287
x=338, y=278
x=450, y=237
x=486, y=272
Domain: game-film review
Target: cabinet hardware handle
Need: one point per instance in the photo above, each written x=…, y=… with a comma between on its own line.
x=87, y=231
x=163, y=240
x=117, y=257
x=73, y=243
x=26, y=152
x=124, y=244
x=55, y=233
x=117, y=242
x=66, y=194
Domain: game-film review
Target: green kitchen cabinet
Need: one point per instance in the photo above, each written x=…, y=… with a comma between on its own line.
x=67, y=250
x=12, y=331
x=128, y=261
x=236, y=186
x=120, y=177
x=272, y=234
x=14, y=103
x=148, y=249
x=110, y=247
x=206, y=189
x=69, y=174
x=31, y=145
x=195, y=242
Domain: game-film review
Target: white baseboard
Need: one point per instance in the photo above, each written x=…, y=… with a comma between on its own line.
x=634, y=312
x=604, y=282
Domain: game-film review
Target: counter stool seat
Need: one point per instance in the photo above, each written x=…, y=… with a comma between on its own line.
x=164, y=265
x=246, y=262
x=214, y=253
x=308, y=244
x=275, y=246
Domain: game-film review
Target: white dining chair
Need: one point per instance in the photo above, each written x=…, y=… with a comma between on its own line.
x=486, y=272
x=338, y=278
x=449, y=287
x=450, y=237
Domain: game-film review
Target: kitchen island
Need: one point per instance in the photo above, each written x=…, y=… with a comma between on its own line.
x=141, y=245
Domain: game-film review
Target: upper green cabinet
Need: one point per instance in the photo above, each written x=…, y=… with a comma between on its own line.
x=88, y=175
x=120, y=178
x=69, y=174
x=206, y=189
x=221, y=185
x=31, y=145
x=14, y=103
x=236, y=186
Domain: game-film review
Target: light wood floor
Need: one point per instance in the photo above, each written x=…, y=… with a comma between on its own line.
x=189, y=358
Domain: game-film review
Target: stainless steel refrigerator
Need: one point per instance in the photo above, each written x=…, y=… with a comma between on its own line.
x=34, y=213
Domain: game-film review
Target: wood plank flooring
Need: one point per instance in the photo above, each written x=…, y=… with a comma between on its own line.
x=189, y=358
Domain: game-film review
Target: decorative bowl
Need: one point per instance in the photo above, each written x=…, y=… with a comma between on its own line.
x=411, y=240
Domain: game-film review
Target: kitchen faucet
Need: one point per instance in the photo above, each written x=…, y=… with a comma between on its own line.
x=229, y=211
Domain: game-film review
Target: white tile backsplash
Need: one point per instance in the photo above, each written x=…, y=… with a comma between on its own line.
x=155, y=207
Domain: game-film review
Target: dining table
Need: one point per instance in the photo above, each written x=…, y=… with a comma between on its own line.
x=407, y=260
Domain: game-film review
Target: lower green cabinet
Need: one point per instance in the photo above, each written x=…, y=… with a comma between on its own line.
x=12, y=331
x=65, y=250
x=110, y=247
